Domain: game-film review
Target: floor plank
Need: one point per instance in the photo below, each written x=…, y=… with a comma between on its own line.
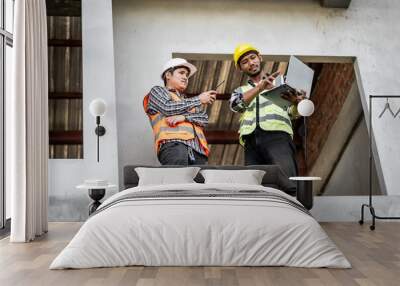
x=374, y=255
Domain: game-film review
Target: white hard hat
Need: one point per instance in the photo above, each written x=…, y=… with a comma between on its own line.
x=177, y=62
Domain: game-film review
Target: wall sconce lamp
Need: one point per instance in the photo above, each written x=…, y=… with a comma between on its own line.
x=305, y=109
x=97, y=108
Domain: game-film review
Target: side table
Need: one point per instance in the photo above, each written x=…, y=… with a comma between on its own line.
x=96, y=193
x=304, y=192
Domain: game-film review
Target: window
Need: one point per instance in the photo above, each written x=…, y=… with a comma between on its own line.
x=6, y=43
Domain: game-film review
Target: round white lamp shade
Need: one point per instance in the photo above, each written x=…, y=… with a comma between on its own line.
x=305, y=107
x=97, y=107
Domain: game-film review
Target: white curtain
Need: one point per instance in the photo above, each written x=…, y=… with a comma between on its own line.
x=27, y=123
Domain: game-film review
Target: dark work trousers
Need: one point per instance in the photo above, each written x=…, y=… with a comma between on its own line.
x=177, y=153
x=271, y=148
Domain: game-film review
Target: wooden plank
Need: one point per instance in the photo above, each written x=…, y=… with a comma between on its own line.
x=65, y=137
x=222, y=137
x=65, y=95
x=335, y=3
x=63, y=8
x=64, y=43
x=275, y=58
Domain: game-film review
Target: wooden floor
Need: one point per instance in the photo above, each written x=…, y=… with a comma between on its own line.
x=374, y=255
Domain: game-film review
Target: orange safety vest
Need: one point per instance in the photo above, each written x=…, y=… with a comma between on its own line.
x=183, y=130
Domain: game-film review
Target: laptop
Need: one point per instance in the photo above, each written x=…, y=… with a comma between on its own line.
x=299, y=76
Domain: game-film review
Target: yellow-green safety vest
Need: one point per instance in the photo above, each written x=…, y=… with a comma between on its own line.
x=271, y=116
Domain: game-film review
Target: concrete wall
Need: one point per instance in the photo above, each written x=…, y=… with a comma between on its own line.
x=66, y=202
x=146, y=33
x=345, y=208
x=351, y=173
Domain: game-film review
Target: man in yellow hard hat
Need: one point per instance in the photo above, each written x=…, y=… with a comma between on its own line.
x=265, y=128
x=177, y=121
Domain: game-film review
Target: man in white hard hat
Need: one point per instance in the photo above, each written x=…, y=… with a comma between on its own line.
x=177, y=121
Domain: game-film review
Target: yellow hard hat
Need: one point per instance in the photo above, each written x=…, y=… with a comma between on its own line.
x=240, y=50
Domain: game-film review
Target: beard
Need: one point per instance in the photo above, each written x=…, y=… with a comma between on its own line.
x=254, y=73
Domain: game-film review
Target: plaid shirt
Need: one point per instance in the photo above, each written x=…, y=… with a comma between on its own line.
x=161, y=101
x=236, y=102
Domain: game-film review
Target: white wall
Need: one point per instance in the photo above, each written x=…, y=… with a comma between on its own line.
x=66, y=202
x=146, y=33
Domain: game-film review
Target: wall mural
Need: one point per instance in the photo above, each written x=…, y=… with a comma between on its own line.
x=334, y=143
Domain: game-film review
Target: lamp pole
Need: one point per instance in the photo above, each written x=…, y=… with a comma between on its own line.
x=305, y=145
x=305, y=108
x=100, y=131
x=98, y=136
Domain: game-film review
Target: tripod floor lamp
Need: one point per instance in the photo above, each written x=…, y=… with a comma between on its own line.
x=305, y=109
